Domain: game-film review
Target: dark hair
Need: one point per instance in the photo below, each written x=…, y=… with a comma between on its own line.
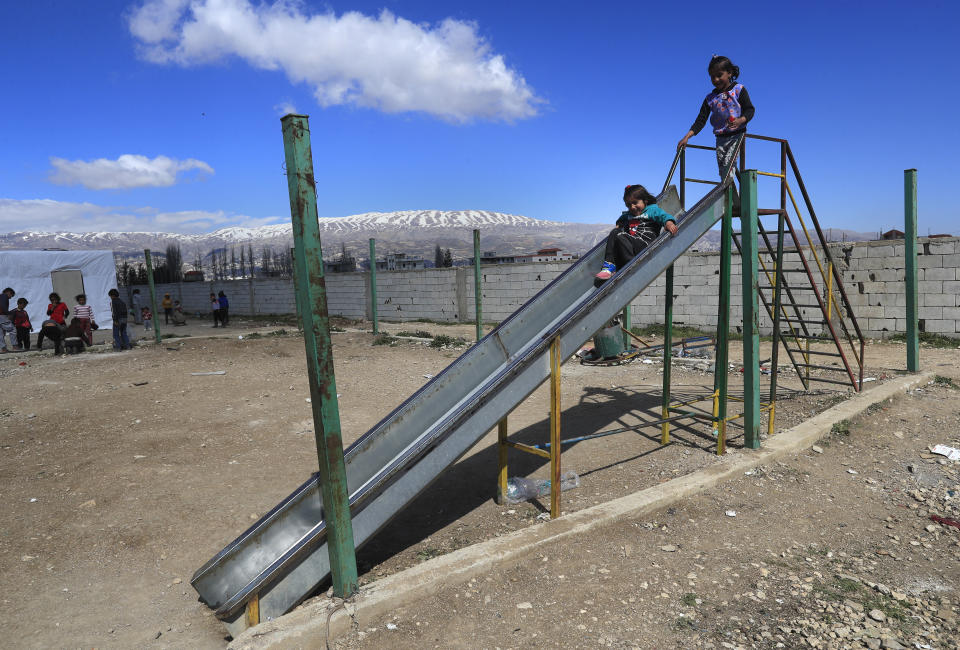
x=55, y=297
x=12, y=292
x=222, y=294
x=80, y=296
x=136, y=290
x=633, y=192
x=113, y=293
x=723, y=64
x=23, y=300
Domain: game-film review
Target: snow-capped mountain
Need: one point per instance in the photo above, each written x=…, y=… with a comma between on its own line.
x=414, y=232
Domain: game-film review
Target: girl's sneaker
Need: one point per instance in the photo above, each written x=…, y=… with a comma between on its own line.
x=606, y=272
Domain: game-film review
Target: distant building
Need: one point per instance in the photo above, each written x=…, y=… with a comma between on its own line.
x=193, y=276
x=547, y=255
x=893, y=234
x=346, y=264
x=399, y=262
x=542, y=255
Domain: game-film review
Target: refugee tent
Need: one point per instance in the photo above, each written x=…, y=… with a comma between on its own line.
x=35, y=274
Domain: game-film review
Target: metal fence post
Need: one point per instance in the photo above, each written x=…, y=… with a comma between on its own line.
x=910, y=265
x=373, y=285
x=308, y=265
x=153, y=296
x=477, y=293
x=751, y=309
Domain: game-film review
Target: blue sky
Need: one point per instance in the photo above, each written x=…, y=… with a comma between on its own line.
x=164, y=115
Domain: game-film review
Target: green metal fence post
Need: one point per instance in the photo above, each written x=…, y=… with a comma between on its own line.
x=627, y=325
x=667, y=354
x=373, y=285
x=723, y=326
x=308, y=265
x=910, y=264
x=751, y=309
x=153, y=296
x=477, y=291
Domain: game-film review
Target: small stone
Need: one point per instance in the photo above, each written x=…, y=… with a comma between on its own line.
x=669, y=548
x=177, y=581
x=88, y=504
x=892, y=644
x=877, y=615
x=525, y=605
x=818, y=449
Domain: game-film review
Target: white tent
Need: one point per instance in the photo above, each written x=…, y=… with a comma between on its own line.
x=35, y=274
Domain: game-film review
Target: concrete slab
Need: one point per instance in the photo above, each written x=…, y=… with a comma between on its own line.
x=313, y=624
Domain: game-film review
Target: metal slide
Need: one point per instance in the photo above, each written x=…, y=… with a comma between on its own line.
x=283, y=558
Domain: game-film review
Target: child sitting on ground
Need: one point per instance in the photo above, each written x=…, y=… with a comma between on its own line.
x=177, y=315
x=74, y=337
x=637, y=226
x=21, y=320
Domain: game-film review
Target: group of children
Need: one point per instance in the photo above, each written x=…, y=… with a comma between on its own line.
x=16, y=323
x=729, y=108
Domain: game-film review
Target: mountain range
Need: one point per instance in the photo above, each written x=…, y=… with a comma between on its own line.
x=413, y=232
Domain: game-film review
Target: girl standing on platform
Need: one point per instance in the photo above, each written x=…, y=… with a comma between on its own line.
x=729, y=107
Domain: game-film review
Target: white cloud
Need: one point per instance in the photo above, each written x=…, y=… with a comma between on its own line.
x=47, y=215
x=286, y=108
x=127, y=171
x=386, y=62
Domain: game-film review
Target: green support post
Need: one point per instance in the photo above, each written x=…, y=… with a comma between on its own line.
x=153, y=296
x=373, y=285
x=910, y=266
x=477, y=290
x=308, y=265
x=751, y=309
x=627, y=325
x=722, y=356
x=667, y=354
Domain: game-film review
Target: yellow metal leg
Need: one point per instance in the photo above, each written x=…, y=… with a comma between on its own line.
x=502, y=449
x=555, y=429
x=253, y=611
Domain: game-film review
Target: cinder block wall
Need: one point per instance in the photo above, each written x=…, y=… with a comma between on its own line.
x=872, y=274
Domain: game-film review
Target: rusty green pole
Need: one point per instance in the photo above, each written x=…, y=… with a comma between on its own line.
x=153, y=296
x=477, y=292
x=910, y=267
x=312, y=300
x=373, y=285
x=751, y=309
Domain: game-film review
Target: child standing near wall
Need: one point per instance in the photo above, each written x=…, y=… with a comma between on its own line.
x=224, y=308
x=146, y=317
x=21, y=320
x=84, y=315
x=118, y=310
x=215, y=308
x=167, y=305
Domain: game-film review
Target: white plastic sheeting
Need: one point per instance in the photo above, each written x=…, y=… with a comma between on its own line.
x=28, y=273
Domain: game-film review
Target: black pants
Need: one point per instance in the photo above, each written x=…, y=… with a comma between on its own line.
x=622, y=247
x=23, y=337
x=224, y=315
x=55, y=334
x=167, y=312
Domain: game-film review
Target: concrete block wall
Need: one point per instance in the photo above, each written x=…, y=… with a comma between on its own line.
x=872, y=274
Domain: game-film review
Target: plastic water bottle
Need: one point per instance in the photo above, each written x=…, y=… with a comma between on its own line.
x=521, y=489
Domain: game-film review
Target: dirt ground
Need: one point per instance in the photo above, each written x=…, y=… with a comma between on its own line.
x=123, y=473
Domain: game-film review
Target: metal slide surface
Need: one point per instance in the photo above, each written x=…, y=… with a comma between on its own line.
x=283, y=558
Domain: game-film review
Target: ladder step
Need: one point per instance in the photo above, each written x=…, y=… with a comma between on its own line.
x=801, y=288
x=822, y=354
x=796, y=306
x=819, y=367
x=829, y=381
x=802, y=321
x=806, y=336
